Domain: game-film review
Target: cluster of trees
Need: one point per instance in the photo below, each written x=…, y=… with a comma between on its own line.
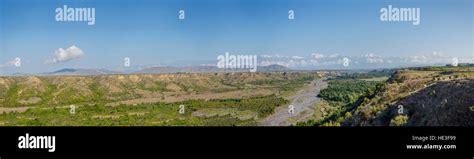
x=285, y=84
x=348, y=91
x=263, y=106
x=366, y=75
x=345, y=95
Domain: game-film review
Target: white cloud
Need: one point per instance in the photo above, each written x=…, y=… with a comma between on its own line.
x=297, y=57
x=433, y=58
x=366, y=60
x=10, y=63
x=372, y=58
x=334, y=55
x=65, y=55
x=436, y=54
x=317, y=56
x=277, y=56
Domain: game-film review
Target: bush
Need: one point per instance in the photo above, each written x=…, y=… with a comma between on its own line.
x=399, y=120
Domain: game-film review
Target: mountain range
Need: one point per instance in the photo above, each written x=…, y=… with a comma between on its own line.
x=162, y=70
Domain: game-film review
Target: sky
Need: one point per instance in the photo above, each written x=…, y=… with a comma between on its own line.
x=149, y=33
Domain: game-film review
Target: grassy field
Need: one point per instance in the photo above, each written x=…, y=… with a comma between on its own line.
x=156, y=114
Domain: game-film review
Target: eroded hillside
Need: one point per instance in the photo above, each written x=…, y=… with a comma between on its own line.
x=421, y=97
x=143, y=88
x=192, y=99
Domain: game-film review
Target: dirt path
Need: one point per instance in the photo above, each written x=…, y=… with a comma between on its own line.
x=302, y=103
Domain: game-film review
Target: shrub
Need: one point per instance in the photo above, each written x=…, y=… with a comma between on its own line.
x=399, y=120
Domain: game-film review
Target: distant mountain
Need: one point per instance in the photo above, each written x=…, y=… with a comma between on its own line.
x=175, y=69
x=19, y=74
x=272, y=68
x=163, y=70
x=204, y=69
x=71, y=71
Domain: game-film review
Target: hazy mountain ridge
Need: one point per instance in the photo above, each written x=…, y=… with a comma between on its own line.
x=154, y=70
x=72, y=71
x=207, y=69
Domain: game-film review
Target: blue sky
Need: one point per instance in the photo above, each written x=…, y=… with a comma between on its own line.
x=150, y=33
